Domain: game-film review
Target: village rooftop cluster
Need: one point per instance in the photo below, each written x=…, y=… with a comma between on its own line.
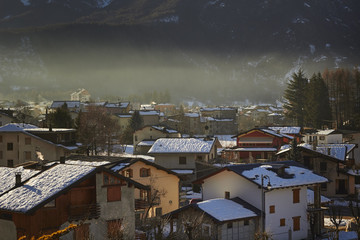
x=209, y=172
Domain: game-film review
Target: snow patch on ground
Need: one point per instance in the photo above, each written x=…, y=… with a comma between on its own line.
x=26, y=2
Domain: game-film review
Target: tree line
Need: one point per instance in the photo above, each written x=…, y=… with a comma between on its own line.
x=331, y=99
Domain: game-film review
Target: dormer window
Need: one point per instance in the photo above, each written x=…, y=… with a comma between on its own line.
x=144, y=172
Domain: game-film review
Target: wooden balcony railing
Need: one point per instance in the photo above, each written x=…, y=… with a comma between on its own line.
x=82, y=212
x=141, y=204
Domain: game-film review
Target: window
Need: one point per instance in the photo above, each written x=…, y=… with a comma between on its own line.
x=144, y=172
x=199, y=158
x=158, y=212
x=282, y=222
x=1, y=138
x=324, y=187
x=246, y=222
x=114, y=193
x=206, y=228
x=1, y=155
x=296, y=223
x=128, y=173
x=27, y=155
x=230, y=225
x=27, y=141
x=227, y=195
x=272, y=209
x=323, y=167
x=144, y=195
x=10, y=146
x=135, y=138
x=341, y=186
x=182, y=160
x=10, y=163
x=114, y=230
x=322, y=137
x=110, y=180
x=296, y=195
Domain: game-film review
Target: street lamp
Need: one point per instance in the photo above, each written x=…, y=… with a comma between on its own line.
x=263, y=200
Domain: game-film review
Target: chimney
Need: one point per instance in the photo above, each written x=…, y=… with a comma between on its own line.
x=17, y=179
x=62, y=160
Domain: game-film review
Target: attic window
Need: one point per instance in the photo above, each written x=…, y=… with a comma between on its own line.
x=296, y=195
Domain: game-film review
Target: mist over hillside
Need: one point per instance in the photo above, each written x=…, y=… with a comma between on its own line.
x=215, y=51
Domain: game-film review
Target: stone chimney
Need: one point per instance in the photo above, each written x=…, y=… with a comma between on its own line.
x=18, y=179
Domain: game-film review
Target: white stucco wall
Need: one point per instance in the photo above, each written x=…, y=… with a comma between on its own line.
x=217, y=185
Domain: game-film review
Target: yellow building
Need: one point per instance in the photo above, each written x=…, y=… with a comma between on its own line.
x=164, y=184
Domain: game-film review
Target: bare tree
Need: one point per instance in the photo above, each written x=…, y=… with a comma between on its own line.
x=336, y=217
x=355, y=212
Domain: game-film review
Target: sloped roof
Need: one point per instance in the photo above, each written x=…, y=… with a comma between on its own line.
x=222, y=210
x=181, y=145
x=122, y=164
x=294, y=174
x=42, y=187
x=266, y=131
x=70, y=104
x=287, y=130
x=337, y=151
x=7, y=176
x=16, y=127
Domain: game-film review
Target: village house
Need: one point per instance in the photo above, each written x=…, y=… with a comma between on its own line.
x=163, y=183
x=278, y=190
x=149, y=118
x=166, y=108
x=257, y=144
x=333, y=161
x=117, y=108
x=21, y=143
x=323, y=137
x=145, y=137
x=100, y=201
x=81, y=95
x=181, y=155
x=217, y=219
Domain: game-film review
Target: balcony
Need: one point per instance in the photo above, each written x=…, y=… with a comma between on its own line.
x=82, y=212
x=141, y=204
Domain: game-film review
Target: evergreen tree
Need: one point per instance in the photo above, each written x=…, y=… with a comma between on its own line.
x=136, y=121
x=61, y=118
x=295, y=97
x=294, y=153
x=317, y=106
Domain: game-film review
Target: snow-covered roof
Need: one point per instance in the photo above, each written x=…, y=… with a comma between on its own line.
x=293, y=174
x=70, y=104
x=216, y=109
x=211, y=119
x=181, y=145
x=149, y=113
x=272, y=132
x=192, y=115
x=7, y=177
x=286, y=130
x=225, y=209
x=336, y=150
x=42, y=187
x=310, y=197
x=325, y=132
x=251, y=150
x=117, y=105
x=120, y=166
x=146, y=143
x=16, y=127
x=87, y=163
x=164, y=129
x=37, y=129
x=183, y=171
